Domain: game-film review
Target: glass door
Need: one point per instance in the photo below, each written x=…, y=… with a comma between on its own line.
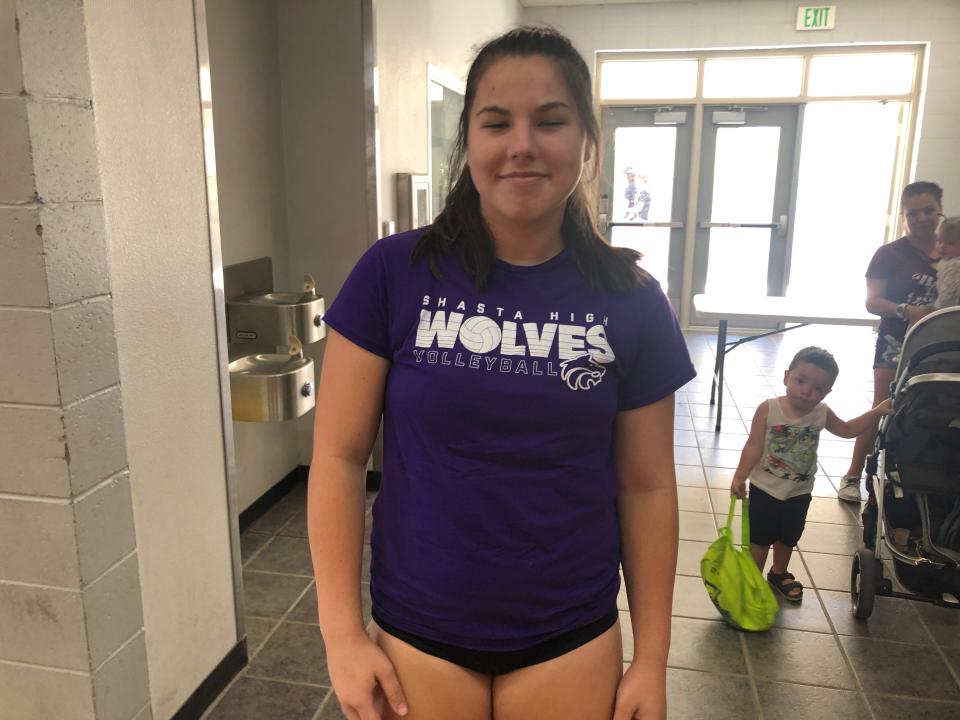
x=644, y=185
x=746, y=176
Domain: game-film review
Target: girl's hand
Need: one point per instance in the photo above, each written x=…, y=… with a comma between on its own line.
x=363, y=677
x=642, y=694
x=917, y=312
x=739, y=487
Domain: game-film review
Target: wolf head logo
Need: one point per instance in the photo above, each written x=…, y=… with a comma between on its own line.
x=581, y=372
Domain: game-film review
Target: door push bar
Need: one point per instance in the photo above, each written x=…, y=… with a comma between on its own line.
x=644, y=223
x=780, y=227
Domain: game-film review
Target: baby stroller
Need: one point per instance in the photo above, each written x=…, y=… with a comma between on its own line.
x=917, y=478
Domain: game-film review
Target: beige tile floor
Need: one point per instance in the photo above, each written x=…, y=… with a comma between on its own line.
x=817, y=662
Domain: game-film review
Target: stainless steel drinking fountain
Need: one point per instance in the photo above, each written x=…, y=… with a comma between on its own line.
x=270, y=379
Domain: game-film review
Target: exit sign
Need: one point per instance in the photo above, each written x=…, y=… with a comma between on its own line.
x=817, y=17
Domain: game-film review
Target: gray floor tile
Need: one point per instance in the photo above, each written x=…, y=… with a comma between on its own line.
x=690, y=475
x=693, y=695
x=331, y=709
x=831, y=510
x=289, y=555
x=831, y=539
x=275, y=518
x=694, y=499
x=626, y=635
x=690, y=599
x=953, y=658
x=684, y=438
x=731, y=423
x=894, y=708
x=719, y=477
x=892, y=619
x=804, y=702
x=720, y=458
x=294, y=652
x=686, y=456
x=250, y=543
x=257, y=631
x=268, y=595
x=720, y=499
x=296, y=526
x=682, y=422
x=828, y=447
x=254, y=699
x=697, y=526
x=824, y=487
x=786, y=655
x=722, y=440
x=705, y=645
x=805, y=615
x=898, y=669
x=705, y=410
x=828, y=572
x=689, y=554
x=943, y=623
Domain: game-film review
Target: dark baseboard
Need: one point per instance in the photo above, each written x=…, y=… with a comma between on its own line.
x=272, y=496
x=216, y=681
x=373, y=479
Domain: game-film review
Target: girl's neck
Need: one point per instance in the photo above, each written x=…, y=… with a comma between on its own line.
x=526, y=243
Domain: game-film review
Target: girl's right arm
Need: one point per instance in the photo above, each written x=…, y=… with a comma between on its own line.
x=752, y=452
x=349, y=404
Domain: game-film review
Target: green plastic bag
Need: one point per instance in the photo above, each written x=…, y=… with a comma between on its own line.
x=734, y=582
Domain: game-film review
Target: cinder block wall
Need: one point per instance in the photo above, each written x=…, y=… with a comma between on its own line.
x=71, y=619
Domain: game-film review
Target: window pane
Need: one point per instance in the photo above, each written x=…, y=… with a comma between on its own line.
x=753, y=77
x=445, y=108
x=626, y=79
x=643, y=159
x=651, y=242
x=744, y=180
x=847, y=158
x=874, y=74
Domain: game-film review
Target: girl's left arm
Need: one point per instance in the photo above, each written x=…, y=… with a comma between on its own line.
x=647, y=507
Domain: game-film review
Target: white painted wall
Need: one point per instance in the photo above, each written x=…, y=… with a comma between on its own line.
x=146, y=97
x=754, y=23
x=410, y=34
x=245, y=82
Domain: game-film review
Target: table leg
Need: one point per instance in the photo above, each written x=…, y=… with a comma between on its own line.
x=721, y=342
x=718, y=378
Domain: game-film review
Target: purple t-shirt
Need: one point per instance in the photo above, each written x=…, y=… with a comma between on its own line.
x=496, y=525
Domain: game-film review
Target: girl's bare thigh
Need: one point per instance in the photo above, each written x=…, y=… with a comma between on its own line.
x=580, y=685
x=435, y=689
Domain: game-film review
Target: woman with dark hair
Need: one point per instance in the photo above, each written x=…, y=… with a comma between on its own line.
x=901, y=289
x=525, y=371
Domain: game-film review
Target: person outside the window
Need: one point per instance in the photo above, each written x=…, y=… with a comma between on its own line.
x=901, y=289
x=780, y=461
x=525, y=371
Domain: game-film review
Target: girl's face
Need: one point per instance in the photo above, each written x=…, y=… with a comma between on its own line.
x=922, y=214
x=525, y=143
x=948, y=242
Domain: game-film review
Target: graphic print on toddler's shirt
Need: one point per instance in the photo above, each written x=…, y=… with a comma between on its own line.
x=576, y=351
x=790, y=448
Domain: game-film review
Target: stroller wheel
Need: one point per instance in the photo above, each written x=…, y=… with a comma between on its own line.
x=863, y=583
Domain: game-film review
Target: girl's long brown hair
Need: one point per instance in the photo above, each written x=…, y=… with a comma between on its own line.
x=460, y=223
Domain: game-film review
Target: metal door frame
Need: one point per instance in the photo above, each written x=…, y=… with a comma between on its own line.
x=787, y=117
x=614, y=117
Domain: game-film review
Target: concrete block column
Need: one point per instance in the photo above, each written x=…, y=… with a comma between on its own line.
x=71, y=620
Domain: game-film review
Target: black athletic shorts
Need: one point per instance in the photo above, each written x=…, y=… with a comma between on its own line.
x=773, y=520
x=497, y=662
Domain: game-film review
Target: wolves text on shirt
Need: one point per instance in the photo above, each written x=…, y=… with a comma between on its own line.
x=582, y=349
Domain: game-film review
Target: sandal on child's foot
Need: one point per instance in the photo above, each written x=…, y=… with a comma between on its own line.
x=786, y=584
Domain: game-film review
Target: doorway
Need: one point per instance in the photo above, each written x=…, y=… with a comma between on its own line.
x=756, y=172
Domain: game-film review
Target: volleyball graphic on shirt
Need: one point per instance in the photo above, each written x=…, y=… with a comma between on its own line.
x=479, y=334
